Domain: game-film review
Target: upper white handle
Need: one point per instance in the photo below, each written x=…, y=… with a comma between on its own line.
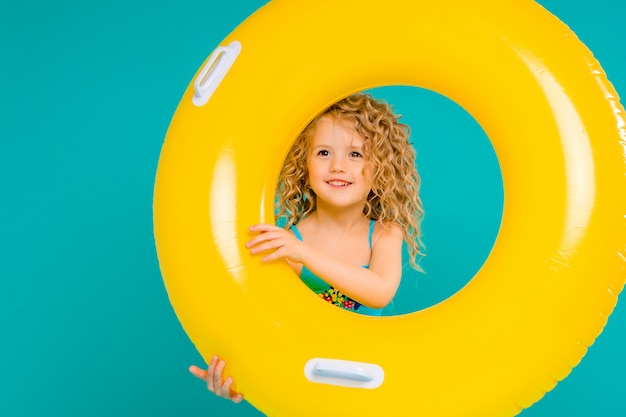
x=214, y=71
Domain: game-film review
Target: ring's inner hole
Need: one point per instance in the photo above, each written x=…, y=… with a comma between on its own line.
x=461, y=191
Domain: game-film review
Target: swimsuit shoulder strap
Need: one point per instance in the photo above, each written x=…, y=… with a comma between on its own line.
x=296, y=232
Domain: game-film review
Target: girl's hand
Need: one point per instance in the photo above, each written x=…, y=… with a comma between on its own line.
x=214, y=381
x=284, y=243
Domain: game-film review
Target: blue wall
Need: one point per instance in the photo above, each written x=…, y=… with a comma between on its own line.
x=87, y=90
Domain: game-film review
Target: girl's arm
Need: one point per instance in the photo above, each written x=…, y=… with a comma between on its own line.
x=373, y=287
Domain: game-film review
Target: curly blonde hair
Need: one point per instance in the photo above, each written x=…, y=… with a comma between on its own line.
x=394, y=196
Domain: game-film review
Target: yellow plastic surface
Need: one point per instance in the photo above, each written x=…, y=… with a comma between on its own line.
x=558, y=263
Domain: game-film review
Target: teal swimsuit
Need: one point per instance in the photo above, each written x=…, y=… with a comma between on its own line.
x=328, y=293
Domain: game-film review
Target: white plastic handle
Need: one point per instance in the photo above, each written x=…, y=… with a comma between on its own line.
x=357, y=373
x=214, y=72
x=344, y=373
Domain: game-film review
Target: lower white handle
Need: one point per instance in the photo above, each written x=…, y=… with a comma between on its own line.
x=344, y=373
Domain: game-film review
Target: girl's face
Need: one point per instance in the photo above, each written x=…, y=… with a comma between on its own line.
x=339, y=173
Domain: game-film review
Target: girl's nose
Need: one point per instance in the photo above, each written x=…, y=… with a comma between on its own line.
x=337, y=164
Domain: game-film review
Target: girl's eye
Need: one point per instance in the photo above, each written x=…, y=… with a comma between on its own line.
x=323, y=152
x=356, y=154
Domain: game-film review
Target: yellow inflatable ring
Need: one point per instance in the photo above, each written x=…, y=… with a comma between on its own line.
x=523, y=321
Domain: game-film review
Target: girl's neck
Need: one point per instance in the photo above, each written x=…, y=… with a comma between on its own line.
x=338, y=219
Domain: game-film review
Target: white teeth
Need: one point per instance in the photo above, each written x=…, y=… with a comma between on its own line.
x=339, y=183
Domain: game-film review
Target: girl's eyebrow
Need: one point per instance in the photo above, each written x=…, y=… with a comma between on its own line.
x=322, y=145
x=325, y=145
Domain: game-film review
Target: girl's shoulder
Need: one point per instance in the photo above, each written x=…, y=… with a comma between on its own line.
x=386, y=231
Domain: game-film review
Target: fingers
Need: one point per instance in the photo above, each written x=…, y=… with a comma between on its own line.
x=235, y=396
x=269, y=240
x=278, y=247
x=210, y=375
x=198, y=373
x=277, y=243
x=217, y=377
x=265, y=237
x=265, y=246
x=265, y=232
x=214, y=379
x=228, y=392
x=264, y=227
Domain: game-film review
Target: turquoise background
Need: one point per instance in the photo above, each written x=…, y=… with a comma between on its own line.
x=87, y=92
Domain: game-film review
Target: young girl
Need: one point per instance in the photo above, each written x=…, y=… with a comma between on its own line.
x=348, y=192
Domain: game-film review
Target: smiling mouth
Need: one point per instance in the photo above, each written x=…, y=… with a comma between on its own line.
x=337, y=183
